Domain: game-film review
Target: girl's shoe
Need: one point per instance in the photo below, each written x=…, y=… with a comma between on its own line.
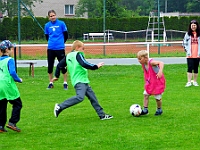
x=144, y=112
x=158, y=112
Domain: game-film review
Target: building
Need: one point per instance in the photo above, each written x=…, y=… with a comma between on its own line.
x=63, y=8
x=178, y=14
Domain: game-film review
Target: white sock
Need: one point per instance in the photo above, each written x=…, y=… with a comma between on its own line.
x=64, y=82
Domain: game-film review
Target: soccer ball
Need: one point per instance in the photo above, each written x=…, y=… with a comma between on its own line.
x=135, y=110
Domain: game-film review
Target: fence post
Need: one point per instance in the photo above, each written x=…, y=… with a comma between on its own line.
x=15, y=58
x=148, y=48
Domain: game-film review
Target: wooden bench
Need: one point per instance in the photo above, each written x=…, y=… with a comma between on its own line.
x=31, y=66
x=93, y=36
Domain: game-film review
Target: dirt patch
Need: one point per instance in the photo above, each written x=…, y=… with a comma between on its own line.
x=114, y=49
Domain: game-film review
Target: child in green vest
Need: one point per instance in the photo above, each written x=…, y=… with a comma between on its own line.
x=8, y=89
x=78, y=70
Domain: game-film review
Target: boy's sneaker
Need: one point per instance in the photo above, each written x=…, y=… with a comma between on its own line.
x=13, y=127
x=195, y=84
x=65, y=86
x=158, y=112
x=106, y=116
x=188, y=84
x=50, y=86
x=144, y=112
x=57, y=110
x=3, y=130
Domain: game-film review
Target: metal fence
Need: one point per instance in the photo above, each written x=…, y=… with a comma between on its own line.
x=38, y=51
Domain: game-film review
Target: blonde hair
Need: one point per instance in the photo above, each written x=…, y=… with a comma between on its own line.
x=76, y=44
x=142, y=53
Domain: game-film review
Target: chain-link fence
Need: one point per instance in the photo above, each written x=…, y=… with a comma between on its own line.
x=99, y=50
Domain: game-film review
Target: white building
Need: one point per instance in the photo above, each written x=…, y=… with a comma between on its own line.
x=178, y=14
x=63, y=8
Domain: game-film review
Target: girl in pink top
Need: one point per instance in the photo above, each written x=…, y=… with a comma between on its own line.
x=154, y=80
x=191, y=44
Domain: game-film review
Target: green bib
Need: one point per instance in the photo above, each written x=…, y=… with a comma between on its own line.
x=8, y=88
x=78, y=74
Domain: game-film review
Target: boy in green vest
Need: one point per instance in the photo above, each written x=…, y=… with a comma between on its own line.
x=77, y=67
x=8, y=89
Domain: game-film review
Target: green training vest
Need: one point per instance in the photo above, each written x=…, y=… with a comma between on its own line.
x=8, y=88
x=78, y=74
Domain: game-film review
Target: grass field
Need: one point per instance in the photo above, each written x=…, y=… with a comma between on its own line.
x=117, y=88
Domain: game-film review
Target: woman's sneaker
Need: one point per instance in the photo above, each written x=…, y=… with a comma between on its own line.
x=188, y=84
x=50, y=86
x=195, y=84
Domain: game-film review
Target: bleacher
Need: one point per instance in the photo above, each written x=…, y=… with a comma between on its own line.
x=93, y=36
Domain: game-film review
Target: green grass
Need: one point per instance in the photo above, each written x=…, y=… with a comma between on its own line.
x=117, y=88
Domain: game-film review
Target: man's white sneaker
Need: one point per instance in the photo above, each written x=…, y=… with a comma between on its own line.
x=188, y=84
x=195, y=84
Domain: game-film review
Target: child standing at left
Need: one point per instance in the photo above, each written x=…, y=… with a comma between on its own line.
x=8, y=89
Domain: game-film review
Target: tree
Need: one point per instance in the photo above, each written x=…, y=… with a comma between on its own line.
x=176, y=6
x=139, y=7
x=145, y=6
x=193, y=6
x=89, y=7
x=127, y=8
x=10, y=7
x=94, y=9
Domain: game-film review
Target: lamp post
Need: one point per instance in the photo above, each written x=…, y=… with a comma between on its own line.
x=158, y=26
x=19, y=27
x=104, y=26
x=165, y=6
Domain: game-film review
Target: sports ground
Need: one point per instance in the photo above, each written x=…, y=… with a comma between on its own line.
x=117, y=85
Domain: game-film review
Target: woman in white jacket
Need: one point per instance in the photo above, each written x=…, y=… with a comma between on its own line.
x=191, y=44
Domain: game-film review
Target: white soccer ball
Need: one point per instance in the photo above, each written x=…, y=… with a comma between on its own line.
x=135, y=110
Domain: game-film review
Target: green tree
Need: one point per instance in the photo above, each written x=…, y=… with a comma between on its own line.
x=10, y=7
x=89, y=7
x=139, y=7
x=193, y=6
x=145, y=6
x=176, y=6
x=94, y=9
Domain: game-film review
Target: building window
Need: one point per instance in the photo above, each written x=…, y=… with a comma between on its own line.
x=69, y=9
